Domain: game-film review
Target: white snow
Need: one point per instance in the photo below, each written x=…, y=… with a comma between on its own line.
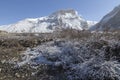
x=91, y=23
x=59, y=20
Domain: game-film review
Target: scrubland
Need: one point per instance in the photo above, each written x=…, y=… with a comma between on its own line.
x=61, y=55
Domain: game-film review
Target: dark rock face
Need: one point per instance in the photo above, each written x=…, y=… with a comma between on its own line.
x=111, y=21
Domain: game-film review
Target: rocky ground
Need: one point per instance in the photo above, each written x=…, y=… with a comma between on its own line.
x=66, y=55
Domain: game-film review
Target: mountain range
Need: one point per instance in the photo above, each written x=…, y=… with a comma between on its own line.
x=58, y=20
x=64, y=19
x=111, y=21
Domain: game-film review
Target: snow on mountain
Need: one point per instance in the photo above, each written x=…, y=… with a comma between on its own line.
x=91, y=24
x=111, y=21
x=62, y=19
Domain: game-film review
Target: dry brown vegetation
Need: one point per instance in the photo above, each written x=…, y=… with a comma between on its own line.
x=12, y=45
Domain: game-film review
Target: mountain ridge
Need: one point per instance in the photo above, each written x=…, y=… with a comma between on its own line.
x=62, y=19
x=110, y=21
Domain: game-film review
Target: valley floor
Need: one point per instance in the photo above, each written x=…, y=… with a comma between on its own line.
x=68, y=55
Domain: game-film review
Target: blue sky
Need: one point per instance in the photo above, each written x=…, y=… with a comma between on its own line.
x=12, y=11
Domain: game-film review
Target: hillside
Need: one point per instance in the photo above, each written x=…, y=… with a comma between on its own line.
x=58, y=20
x=111, y=21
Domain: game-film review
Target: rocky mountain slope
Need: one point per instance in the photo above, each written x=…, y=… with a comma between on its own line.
x=61, y=19
x=111, y=21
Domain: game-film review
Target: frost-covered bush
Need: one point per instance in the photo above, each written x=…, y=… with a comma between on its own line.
x=86, y=59
x=112, y=51
x=95, y=69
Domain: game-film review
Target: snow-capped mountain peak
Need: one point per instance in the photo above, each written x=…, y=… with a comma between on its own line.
x=64, y=13
x=58, y=20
